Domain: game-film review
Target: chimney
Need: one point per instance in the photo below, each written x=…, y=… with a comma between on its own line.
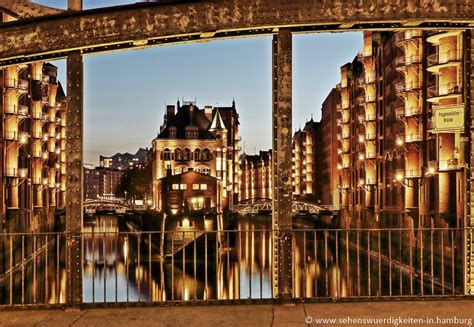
x=170, y=110
x=208, y=112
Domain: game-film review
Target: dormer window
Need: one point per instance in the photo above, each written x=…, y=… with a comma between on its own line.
x=172, y=132
x=192, y=132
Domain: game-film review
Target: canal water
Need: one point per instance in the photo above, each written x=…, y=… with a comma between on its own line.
x=124, y=266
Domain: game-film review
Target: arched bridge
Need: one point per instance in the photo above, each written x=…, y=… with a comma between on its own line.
x=94, y=206
x=297, y=208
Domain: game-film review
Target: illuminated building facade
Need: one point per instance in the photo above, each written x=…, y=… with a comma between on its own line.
x=189, y=192
x=125, y=161
x=255, y=176
x=306, y=168
x=328, y=155
x=100, y=182
x=202, y=140
x=401, y=126
x=33, y=169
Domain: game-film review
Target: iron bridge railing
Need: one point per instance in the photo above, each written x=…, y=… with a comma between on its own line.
x=201, y=266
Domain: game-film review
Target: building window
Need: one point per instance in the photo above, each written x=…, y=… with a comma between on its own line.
x=205, y=171
x=178, y=170
x=182, y=186
x=203, y=186
x=187, y=154
x=166, y=154
x=206, y=155
x=178, y=155
x=197, y=155
x=172, y=132
x=175, y=186
x=195, y=186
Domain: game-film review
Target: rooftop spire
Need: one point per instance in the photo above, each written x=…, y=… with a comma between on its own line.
x=217, y=122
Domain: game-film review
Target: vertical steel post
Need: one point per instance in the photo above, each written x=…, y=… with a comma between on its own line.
x=74, y=155
x=468, y=255
x=281, y=164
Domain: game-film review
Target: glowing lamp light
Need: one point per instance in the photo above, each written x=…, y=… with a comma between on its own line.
x=174, y=211
x=361, y=139
x=361, y=156
x=399, y=141
x=339, y=166
x=58, y=185
x=23, y=139
x=45, y=155
x=58, y=151
x=431, y=170
x=399, y=177
x=361, y=182
x=45, y=137
x=45, y=181
x=186, y=222
x=339, y=151
x=22, y=173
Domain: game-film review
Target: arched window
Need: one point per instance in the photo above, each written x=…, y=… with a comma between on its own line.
x=197, y=155
x=187, y=154
x=205, y=171
x=178, y=154
x=166, y=154
x=206, y=155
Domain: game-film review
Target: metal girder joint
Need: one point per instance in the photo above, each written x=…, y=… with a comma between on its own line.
x=281, y=164
x=74, y=158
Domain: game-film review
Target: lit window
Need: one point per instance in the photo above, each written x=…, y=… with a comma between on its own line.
x=203, y=186
x=182, y=187
x=195, y=186
x=175, y=186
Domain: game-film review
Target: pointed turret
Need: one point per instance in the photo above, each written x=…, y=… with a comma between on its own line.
x=217, y=122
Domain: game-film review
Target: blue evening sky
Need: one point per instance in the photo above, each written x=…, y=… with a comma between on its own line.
x=126, y=92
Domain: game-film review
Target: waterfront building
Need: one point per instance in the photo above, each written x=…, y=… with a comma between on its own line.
x=401, y=131
x=125, y=161
x=255, y=181
x=328, y=157
x=203, y=140
x=33, y=168
x=189, y=192
x=100, y=182
x=306, y=168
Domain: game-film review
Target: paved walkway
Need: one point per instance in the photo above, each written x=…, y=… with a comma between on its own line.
x=460, y=313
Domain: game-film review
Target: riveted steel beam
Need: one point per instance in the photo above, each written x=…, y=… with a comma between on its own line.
x=468, y=261
x=74, y=181
x=150, y=24
x=281, y=164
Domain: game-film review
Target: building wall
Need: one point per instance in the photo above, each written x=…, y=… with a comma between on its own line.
x=255, y=177
x=328, y=157
x=33, y=174
x=401, y=161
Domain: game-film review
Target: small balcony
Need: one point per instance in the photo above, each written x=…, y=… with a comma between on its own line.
x=400, y=112
x=370, y=136
x=37, y=134
x=369, y=98
x=413, y=137
x=369, y=78
x=403, y=61
x=411, y=86
x=450, y=164
x=406, y=36
x=18, y=84
x=11, y=172
x=23, y=111
x=10, y=109
x=361, y=118
x=448, y=90
x=412, y=173
x=10, y=135
x=339, y=107
x=37, y=153
x=370, y=116
x=370, y=154
x=437, y=61
x=370, y=181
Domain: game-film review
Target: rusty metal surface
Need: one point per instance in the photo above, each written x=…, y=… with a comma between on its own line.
x=281, y=163
x=26, y=9
x=469, y=132
x=74, y=182
x=149, y=24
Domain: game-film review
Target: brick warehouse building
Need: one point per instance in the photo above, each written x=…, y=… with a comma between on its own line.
x=203, y=140
x=402, y=150
x=33, y=106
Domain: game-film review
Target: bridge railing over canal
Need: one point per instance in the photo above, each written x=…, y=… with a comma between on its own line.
x=208, y=266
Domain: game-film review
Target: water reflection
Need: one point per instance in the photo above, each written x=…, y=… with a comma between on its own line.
x=121, y=266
